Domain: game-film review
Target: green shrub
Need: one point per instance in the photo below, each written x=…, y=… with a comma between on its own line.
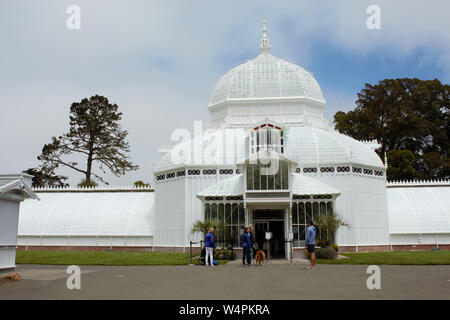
x=322, y=243
x=224, y=254
x=322, y=253
x=335, y=247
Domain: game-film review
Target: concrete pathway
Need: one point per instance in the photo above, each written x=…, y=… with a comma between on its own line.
x=272, y=281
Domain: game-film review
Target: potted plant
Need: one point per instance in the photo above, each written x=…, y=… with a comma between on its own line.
x=204, y=226
x=329, y=223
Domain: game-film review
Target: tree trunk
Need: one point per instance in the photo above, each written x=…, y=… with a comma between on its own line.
x=89, y=161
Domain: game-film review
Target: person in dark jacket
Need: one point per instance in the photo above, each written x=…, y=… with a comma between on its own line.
x=246, y=247
x=209, y=246
x=251, y=233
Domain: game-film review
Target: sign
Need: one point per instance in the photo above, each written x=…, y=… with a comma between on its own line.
x=268, y=235
x=291, y=235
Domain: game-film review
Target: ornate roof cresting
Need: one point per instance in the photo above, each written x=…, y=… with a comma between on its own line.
x=264, y=47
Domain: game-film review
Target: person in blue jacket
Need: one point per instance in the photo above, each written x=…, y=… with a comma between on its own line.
x=246, y=247
x=209, y=246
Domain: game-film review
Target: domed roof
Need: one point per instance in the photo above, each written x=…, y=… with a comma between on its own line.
x=266, y=76
x=304, y=145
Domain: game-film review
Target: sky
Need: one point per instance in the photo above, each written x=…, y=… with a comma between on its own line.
x=160, y=60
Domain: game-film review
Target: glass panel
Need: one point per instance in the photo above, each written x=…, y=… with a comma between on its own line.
x=263, y=180
x=235, y=214
x=241, y=214
x=257, y=179
x=308, y=211
x=250, y=177
x=271, y=182
x=213, y=211
x=315, y=209
x=294, y=214
x=219, y=238
x=241, y=231
x=228, y=213
x=302, y=236
x=315, y=212
x=301, y=213
x=207, y=213
x=278, y=177
x=329, y=207
x=235, y=235
x=284, y=176
x=248, y=172
x=323, y=210
x=221, y=214
x=228, y=238
x=296, y=236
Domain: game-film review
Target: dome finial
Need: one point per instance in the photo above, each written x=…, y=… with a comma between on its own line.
x=264, y=47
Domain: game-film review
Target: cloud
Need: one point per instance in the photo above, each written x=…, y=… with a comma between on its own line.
x=159, y=61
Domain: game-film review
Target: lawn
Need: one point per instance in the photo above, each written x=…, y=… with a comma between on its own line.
x=396, y=257
x=104, y=258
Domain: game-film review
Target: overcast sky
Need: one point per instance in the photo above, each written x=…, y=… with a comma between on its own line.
x=160, y=60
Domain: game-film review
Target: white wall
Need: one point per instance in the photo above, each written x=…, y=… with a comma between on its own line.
x=178, y=208
x=170, y=212
x=412, y=239
x=141, y=241
x=117, y=218
x=363, y=205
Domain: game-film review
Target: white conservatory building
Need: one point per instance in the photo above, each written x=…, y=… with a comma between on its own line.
x=268, y=158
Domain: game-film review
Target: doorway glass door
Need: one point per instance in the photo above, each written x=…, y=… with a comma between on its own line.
x=270, y=221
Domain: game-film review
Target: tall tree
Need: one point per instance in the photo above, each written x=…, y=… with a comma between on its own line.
x=96, y=135
x=404, y=114
x=41, y=178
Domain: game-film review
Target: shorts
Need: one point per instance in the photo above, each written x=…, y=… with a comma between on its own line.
x=311, y=248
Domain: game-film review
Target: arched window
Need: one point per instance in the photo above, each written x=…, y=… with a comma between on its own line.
x=267, y=137
x=207, y=212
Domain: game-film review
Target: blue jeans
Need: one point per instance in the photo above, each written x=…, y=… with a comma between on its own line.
x=246, y=254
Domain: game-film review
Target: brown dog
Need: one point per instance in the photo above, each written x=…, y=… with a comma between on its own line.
x=260, y=257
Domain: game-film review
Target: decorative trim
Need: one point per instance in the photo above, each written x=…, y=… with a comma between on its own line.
x=418, y=183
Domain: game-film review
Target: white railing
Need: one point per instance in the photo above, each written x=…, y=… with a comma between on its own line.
x=98, y=188
x=416, y=183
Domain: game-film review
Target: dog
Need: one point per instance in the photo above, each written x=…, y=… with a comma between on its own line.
x=260, y=257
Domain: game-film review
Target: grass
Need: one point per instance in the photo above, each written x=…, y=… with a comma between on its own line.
x=104, y=258
x=441, y=257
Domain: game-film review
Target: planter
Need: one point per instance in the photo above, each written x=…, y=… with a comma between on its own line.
x=333, y=253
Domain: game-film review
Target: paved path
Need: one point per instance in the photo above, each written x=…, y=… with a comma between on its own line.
x=272, y=281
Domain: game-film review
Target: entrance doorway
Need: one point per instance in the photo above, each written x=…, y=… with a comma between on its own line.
x=270, y=221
